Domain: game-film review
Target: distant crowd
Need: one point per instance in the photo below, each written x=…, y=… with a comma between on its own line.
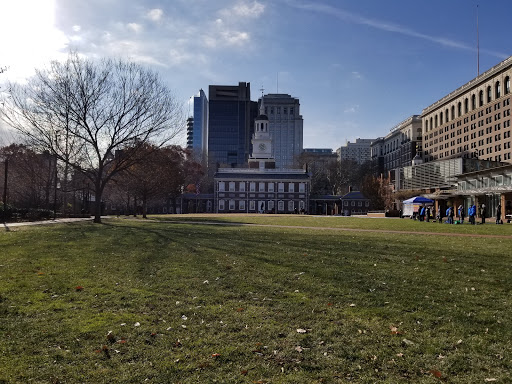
x=428, y=213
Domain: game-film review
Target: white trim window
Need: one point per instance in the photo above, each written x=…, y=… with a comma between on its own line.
x=231, y=186
x=252, y=205
x=222, y=186
x=291, y=187
x=291, y=206
x=261, y=187
x=280, y=187
x=280, y=205
x=252, y=186
x=302, y=187
x=241, y=205
x=221, y=205
x=270, y=205
x=271, y=187
x=241, y=186
x=231, y=205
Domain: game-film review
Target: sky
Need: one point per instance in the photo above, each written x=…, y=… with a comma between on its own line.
x=359, y=68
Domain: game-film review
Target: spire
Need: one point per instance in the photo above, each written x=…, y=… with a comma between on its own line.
x=262, y=107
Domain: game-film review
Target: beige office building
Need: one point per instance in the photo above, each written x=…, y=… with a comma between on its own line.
x=473, y=121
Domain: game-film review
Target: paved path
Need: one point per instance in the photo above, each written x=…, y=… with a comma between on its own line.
x=7, y=226
x=74, y=220
x=340, y=229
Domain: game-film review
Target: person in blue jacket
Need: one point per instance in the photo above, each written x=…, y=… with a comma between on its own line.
x=471, y=214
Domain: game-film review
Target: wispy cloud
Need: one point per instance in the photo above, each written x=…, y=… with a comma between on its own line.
x=383, y=25
x=244, y=10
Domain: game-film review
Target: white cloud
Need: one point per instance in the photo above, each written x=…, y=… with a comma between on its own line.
x=137, y=28
x=352, y=109
x=253, y=10
x=235, y=37
x=382, y=25
x=155, y=14
x=357, y=75
x=76, y=28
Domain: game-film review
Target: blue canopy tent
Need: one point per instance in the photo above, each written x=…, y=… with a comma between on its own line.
x=413, y=204
x=418, y=200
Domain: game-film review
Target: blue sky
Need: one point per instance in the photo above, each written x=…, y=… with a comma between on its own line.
x=358, y=67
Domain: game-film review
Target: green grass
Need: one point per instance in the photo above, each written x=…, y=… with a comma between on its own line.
x=223, y=303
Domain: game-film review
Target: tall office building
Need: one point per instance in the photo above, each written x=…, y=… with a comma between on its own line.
x=199, y=134
x=230, y=124
x=285, y=128
x=360, y=151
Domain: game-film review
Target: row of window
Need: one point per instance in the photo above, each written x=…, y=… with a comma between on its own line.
x=277, y=110
x=448, y=115
x=262, y=187
x=353, y=203
x=485, y=182
x=260, y=206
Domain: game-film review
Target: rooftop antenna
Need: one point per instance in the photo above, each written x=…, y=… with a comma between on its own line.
x=477, y=43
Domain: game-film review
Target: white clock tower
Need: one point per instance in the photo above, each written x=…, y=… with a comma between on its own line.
x=261, y=156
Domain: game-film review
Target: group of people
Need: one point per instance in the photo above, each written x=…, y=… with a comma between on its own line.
x=424, y=214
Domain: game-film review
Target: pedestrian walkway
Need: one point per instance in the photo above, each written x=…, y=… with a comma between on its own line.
x=63, y=220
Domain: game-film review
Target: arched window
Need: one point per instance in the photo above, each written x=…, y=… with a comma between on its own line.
x=426, y=125
x=507, y=85
x=441, y=118
x=459, y=109
x=435, y=120
x=497, y=90
x=489, y=94
x=480, y=98
x=466, y=105
x=431, y=125
x=473, y=102
x=453, y=112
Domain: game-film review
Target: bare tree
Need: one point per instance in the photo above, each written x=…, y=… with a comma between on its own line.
x=88, y=112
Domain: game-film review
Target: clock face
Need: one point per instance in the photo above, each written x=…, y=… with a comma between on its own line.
x=262, y=147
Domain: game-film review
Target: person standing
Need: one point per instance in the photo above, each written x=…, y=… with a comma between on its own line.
x=483, y=213
x=471, y=214
x=461, y=214
x=427, y=214
x=452, y=214
x=498, y=214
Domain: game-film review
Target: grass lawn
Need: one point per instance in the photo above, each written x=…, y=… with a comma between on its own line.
x=166, y=302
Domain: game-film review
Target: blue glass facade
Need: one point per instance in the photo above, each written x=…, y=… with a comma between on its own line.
x=200, y=129
x=230, y=124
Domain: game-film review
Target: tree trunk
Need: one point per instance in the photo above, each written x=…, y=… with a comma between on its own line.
x=98, y=191
x=144, y=207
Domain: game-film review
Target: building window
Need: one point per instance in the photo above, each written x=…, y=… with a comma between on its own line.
x=459, y=109
x=270, y=205
x=291, y=187
x=241, y=186
x=291, y=110
x=441, y=118
x=222, y=186
x=473, y=102
x=252, y=205
x=231, y=186
x=291, y=206
x=280, y=187
x=466, y=105
x=221, y=205
x=489, y=94
x=241, y=205
x=353, y=203
x=359, y=203
x=271, y=187
x=480, y=98
x=507, y=85
x=453, y=112
x=345, y=203
x=252, y=187
x=366, y=204
x=280, y=205
x=231, y=205
x=497, y=89
x=262, y=187
x=302, y=205
x=302, y=188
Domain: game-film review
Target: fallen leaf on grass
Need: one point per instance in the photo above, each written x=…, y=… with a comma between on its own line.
x=299, y=349
x=244, y=372
x=110, y=337
x=394, y=330
x=122, y=341
x=436, y=373
x=215, y=355
x=239, y=309
x=79, y=288
x=490, y=379
x=300, y=330
x=352, y=305
x=137, y=324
